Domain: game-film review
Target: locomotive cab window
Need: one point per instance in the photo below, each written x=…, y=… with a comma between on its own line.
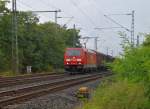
x=73, y=52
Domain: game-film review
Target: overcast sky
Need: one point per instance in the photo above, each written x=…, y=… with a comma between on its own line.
x=89, y=14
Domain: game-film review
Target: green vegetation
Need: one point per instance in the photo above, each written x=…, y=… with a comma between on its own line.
x=41, y=45
x=130, y=88
x=119, y=95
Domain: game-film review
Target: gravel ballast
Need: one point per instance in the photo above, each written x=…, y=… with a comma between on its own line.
x=65, y=99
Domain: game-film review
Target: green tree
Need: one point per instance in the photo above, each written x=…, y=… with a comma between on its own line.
x=134, y=66
x=5, y=37
x=41, y=45
x=147, y=41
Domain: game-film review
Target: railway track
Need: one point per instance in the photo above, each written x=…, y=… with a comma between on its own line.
x=27, y=76
x=24, y=94
x=12, y=81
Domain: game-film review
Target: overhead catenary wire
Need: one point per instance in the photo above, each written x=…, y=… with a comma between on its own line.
x=30, y=7
x=70, y=14
x=21, y=2
x=117, y=23
x=121, y=26
x=97, y=8
x=56, y=8
x=92, y=23
x=48, y=4
x=82, y=12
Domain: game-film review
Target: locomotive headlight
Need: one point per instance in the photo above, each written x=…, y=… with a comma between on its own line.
x=78, y=59
x=67, y=59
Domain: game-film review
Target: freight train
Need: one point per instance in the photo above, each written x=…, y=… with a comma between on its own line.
x=77, y=60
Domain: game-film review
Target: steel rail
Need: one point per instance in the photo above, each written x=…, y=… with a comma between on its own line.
x=53, y=87
x=13, y=82
x=27, y=76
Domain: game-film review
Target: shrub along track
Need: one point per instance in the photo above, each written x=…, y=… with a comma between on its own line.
x=25, y=94
x=20, y=80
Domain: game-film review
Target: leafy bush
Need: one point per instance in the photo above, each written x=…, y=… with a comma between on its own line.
x=119, y=95
x=135, y=65
x=131, y=90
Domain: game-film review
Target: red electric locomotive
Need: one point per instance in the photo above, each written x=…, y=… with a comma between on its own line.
x=82, y=60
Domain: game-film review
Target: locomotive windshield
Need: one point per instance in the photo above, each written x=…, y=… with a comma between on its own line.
x=73, y=52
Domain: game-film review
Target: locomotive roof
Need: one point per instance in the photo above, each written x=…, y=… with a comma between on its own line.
x=90, y=50
x=85, y=49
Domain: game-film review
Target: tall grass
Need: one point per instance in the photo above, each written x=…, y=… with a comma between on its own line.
x=119, y=95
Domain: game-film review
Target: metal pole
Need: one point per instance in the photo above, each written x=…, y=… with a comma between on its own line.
x=74, y=37
x=132, y=29
x=56, y=17
x=107, y=50
x=112, y=52
x=13, y=58
x=129, y=30
x=85, y=44
x=96, y=39
x=14, y=36
x=138, y=42
x=96, y=43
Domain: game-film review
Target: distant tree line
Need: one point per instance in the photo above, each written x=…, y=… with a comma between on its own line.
x=41, y=45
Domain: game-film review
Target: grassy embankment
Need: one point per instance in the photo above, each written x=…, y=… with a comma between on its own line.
x=130, y=88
